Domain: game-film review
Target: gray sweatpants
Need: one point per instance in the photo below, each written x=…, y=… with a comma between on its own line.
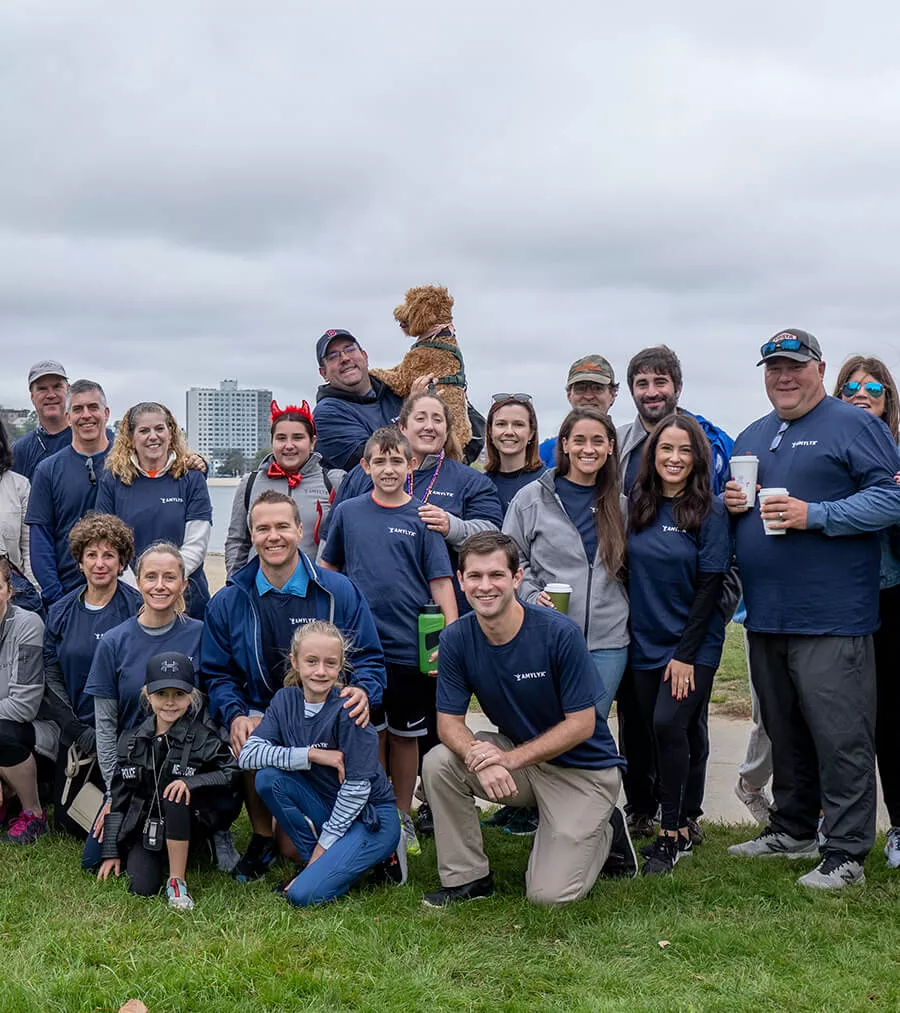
x=573, y=838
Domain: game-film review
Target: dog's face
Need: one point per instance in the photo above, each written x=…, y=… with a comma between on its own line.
x=424, y=307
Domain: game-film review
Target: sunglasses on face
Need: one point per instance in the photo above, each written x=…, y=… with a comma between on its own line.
x=783, y=345
x=338, y=353
x=521, y=398
x=853, y=387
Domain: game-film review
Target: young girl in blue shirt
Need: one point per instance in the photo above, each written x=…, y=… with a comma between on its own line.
x=679, y=549
x=319, y=775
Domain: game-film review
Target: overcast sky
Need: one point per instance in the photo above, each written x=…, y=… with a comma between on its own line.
x=196, y=190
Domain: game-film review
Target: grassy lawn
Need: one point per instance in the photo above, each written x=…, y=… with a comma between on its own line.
x=730, y=694
x=741, y=936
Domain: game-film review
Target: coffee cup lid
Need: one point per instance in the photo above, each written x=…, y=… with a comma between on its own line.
x=559, y=588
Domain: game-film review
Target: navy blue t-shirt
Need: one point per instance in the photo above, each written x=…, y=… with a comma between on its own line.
x=390, y=554
x=578, y=502
x=72, y=634
x=509, y=483
x=61, y=494
x=342, y=425
x=156, y=508
x=285, y=724
x=806, y=582
x=664, y=562
x=119, y=669
x=29, y=450
x=280, y=614
x=527, y=686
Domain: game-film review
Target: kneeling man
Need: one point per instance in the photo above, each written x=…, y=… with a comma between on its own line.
x=534, y=678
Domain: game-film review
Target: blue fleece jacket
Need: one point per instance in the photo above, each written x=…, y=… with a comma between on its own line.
x=233, y=671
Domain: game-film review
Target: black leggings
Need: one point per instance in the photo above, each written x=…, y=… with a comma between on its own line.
x=208, y=811
x=887, y=715
x=672, y=722
x=16, y=742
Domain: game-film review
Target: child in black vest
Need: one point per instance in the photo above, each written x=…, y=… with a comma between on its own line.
x=176, y=783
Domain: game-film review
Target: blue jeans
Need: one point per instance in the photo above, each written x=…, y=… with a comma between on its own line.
x=290, y=798
x=610, y=664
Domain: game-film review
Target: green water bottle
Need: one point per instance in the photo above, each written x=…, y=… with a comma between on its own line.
x=431, y=622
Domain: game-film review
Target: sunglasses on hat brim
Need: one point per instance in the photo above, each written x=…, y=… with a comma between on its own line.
x=771, y=348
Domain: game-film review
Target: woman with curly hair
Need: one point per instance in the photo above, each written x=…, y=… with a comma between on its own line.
x=149, y=484
x=867, y=383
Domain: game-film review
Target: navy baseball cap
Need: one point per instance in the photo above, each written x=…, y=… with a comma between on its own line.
x=326, y=339
x=170, y=670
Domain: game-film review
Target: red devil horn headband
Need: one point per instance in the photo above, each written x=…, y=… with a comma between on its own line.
x=302, y=410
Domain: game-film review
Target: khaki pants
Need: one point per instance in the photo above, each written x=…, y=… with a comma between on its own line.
x=573, y=838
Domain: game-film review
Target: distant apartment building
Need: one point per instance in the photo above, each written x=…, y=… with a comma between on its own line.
x=228, y=418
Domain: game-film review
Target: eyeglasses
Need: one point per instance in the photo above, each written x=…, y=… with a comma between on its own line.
x=783, y=345
x=339, y=353
x=589, y=387
x=853, y=387
x=776, y=441
x=89, y=468
x=521, y=398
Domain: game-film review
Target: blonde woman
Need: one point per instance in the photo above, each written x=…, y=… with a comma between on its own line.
x=149, y=483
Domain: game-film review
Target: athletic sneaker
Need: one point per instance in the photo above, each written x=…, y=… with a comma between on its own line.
x=260, y=854
x=425, y=820
x=685, y=847
x=695, y=831
x=408, y=831
x=621, y=862
x=641, y=824
x=664, y=854
x=478, y=889
x=892, y=848
x=836, y=870
x=524, y=822
x=500, y=818
x=226, y=854
x=771, y=844
x=393, y=870
x=758, y=802
x=821, y=839
x=177, y=895
x=26, y=828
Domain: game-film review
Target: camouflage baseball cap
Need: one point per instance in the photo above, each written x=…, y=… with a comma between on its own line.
x=593, y=369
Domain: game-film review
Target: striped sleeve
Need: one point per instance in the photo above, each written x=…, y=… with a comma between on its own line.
x=351, y=798
x=258, y=753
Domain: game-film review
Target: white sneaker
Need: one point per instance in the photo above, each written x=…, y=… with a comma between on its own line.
x=178, y=896
x=834, y=872
x=758, y=802
x=771, y=844
x=892, y=848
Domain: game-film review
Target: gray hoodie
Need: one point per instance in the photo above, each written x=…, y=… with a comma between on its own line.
x=551, y=549
x=312, y=496
x=22, y=675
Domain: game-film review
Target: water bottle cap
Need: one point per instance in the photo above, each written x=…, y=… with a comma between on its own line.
x=432, y=608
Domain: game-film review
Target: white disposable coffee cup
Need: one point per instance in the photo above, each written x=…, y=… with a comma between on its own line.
x=743, y=471
x=559, y=594
x=764, y=494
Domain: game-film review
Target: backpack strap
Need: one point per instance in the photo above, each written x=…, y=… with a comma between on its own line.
x=248, y=491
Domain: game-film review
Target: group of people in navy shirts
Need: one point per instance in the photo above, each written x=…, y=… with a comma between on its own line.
x=601, y=565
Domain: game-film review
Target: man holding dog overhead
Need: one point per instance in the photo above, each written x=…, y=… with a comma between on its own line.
x=534, y=678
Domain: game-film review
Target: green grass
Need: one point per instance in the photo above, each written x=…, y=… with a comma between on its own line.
x=731, y=693
x=741, y=936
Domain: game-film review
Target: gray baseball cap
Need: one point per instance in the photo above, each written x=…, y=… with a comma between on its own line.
x=46, y=367
x=801, y=346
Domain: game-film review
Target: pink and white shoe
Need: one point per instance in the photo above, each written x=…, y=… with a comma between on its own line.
x=27, y=827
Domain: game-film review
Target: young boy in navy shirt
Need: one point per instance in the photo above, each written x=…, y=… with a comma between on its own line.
x=379, y=540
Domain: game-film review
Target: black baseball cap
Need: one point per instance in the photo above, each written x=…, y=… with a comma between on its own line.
x=326, y=339
x=170, y=670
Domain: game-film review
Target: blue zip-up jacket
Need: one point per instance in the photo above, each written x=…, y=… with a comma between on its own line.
x=233, y=671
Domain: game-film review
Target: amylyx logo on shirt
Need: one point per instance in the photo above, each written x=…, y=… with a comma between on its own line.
x=438, y=492
x=401, y=531
x=803, y=443
x=170, y=499
x=670, y=528
x=296, y=620
x=526, y=676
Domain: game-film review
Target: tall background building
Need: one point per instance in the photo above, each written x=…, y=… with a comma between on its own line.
x=228, y=424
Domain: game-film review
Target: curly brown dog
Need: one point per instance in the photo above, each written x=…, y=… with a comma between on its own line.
x=426, y=314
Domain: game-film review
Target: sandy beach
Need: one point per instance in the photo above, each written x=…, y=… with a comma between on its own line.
x=215, y=571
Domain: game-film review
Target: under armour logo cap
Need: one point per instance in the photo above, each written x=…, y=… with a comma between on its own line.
x=170, y=670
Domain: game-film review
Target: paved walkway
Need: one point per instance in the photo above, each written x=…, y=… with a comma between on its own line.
x=728, y=740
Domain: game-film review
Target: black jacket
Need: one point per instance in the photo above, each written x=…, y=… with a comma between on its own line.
x=194, y=750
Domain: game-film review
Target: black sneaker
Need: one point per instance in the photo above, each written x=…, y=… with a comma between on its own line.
x=524, y=822
x=685, y=847
x=478, y=889
x=641, y=824
x=662, y=858
x=260, y=854
x=425, y=821
x=501, y=818
x=393, y=870
x=622, y=861
x=695, y=831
